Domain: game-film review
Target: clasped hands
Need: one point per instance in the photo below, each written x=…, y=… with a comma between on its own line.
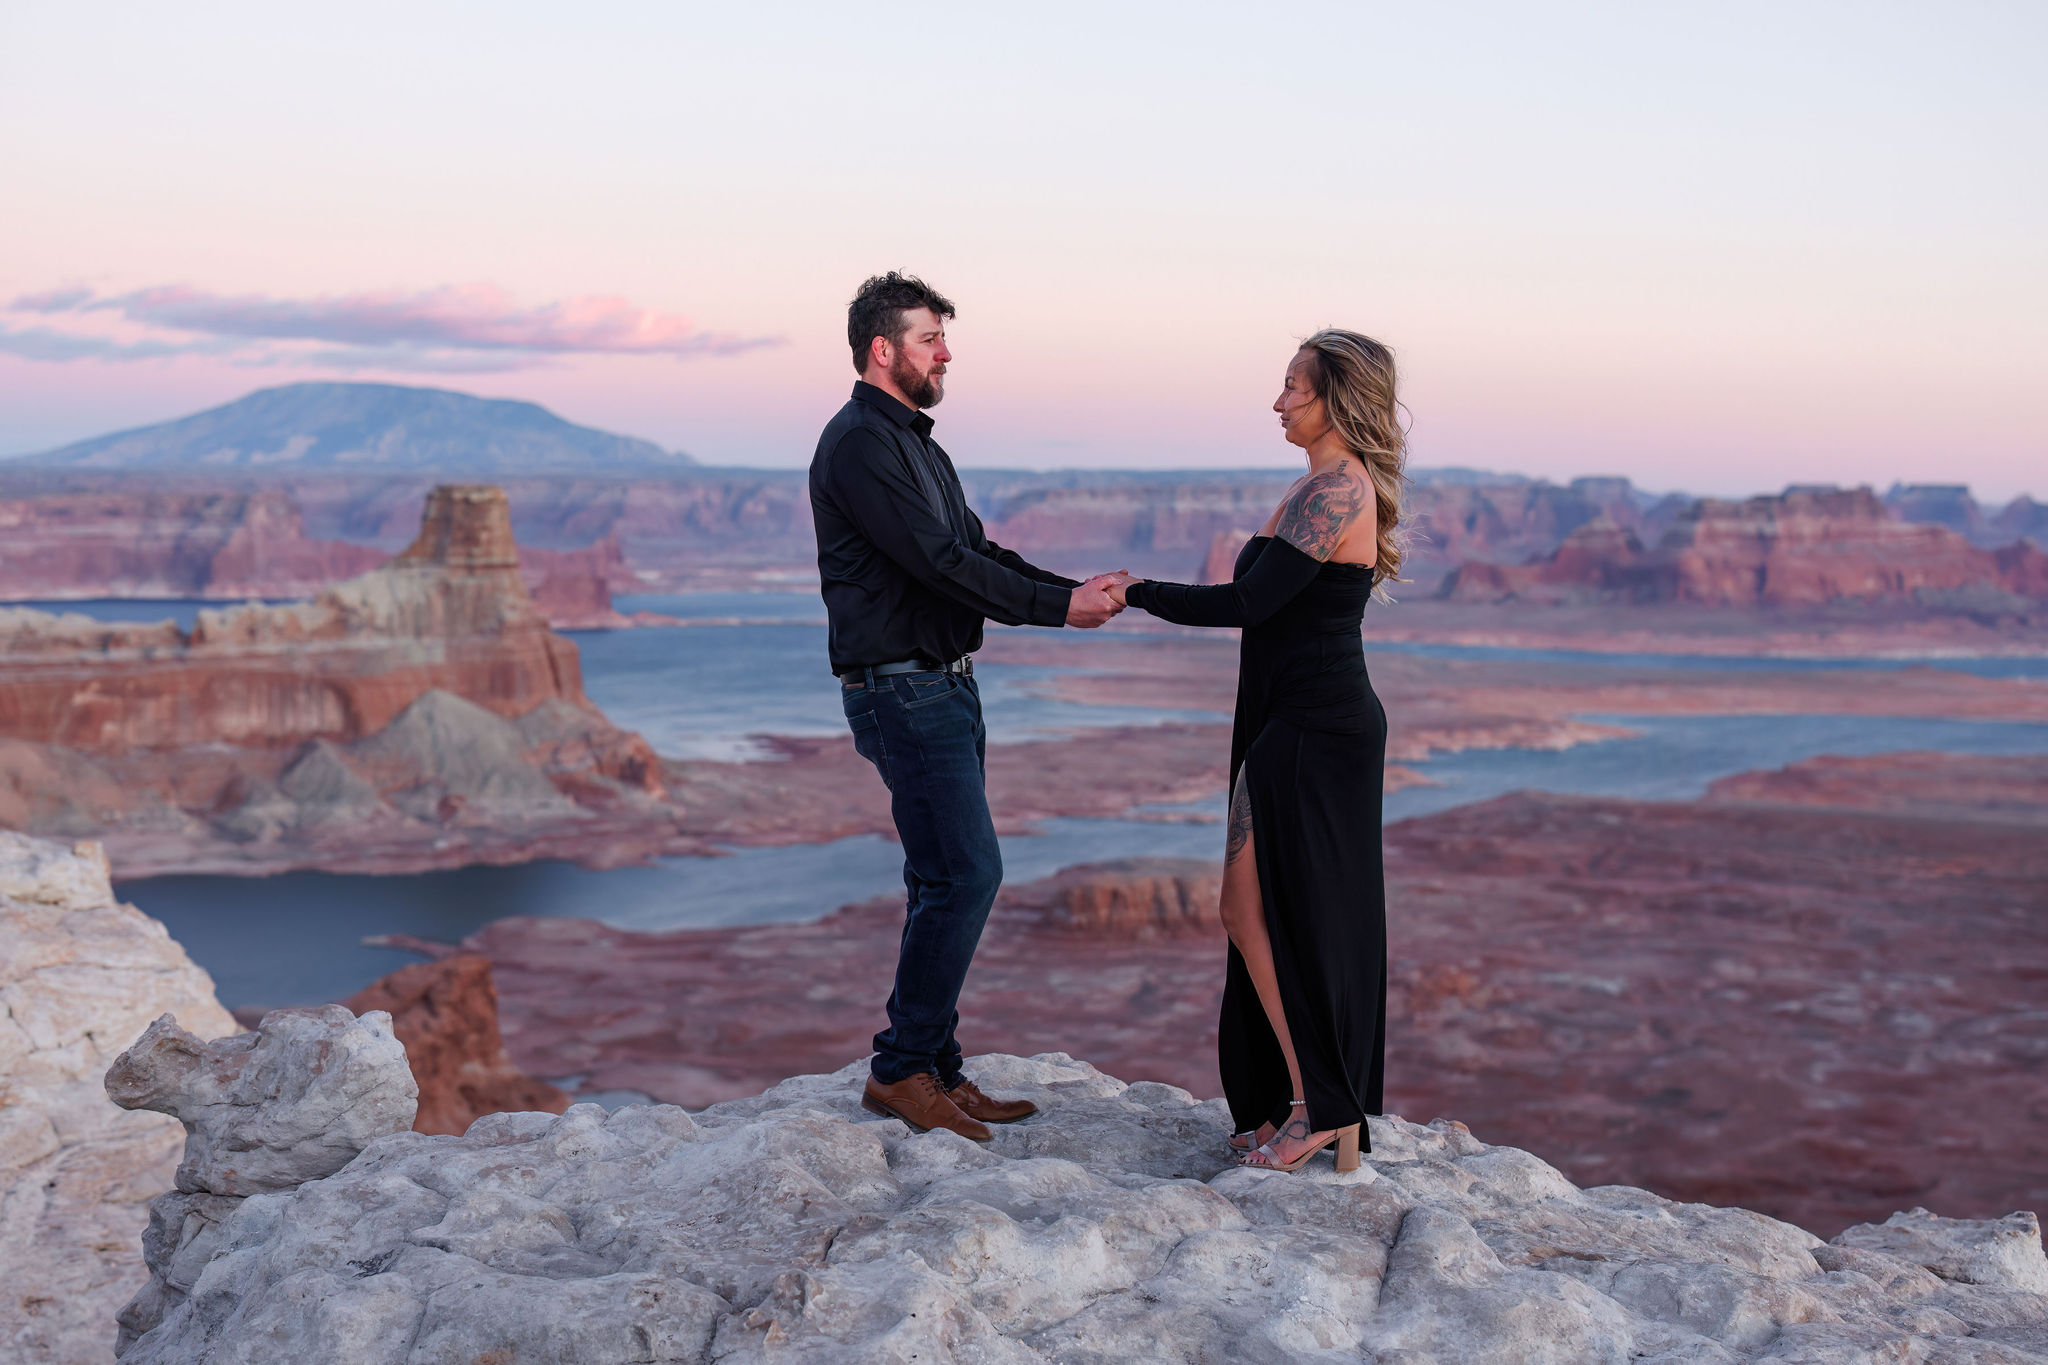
x=1098, y=599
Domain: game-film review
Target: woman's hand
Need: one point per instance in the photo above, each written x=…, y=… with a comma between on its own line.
x=1116, y=585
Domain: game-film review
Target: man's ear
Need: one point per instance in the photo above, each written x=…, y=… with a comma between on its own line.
x=880, y=353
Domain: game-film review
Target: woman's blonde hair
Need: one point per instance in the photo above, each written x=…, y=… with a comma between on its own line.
x=1354, y=376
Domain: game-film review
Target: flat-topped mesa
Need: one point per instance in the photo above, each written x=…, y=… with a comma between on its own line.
x=452, y=614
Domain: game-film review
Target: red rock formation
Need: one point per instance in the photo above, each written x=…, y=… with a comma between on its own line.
x=450, y=613
x=446, y=1015
x=1807, y=547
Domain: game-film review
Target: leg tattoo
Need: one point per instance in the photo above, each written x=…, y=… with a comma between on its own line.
x=1240, y=822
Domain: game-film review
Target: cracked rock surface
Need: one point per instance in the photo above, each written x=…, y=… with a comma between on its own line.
x=80, y=977
x=297, y=1099
x=1107, y=1228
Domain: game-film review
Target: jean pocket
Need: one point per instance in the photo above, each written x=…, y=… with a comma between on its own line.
x=926, y=689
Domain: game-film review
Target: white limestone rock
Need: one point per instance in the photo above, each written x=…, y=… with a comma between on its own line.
x=270, y=1110
x=80, y=978
x=793, y=1226
x=295, y=1100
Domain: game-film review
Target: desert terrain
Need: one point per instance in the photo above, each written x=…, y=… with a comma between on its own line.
x=1775, y=993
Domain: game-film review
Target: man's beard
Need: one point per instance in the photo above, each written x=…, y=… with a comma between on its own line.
x=923, y=390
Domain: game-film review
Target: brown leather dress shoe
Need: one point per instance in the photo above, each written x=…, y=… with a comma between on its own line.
x=971, y=1102
x=919, y=1102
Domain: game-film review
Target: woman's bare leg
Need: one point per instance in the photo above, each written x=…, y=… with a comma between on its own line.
x=1243, y=913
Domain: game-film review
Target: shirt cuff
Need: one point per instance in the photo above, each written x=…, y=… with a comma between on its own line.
x=1049, y=605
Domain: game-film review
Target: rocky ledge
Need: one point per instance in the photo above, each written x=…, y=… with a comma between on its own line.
x=1108, y=1227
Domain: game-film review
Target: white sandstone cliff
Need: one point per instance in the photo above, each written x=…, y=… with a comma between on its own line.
x=80, y=978
x=1108, y=1228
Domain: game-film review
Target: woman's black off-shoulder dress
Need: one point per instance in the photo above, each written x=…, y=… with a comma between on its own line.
x=1310, y=744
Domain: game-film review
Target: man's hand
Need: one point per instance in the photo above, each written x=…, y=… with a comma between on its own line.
x=1091, y=604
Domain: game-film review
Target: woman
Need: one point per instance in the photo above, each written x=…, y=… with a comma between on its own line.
x=1304, y=901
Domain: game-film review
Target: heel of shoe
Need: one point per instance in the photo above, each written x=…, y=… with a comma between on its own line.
x=1347, y=1149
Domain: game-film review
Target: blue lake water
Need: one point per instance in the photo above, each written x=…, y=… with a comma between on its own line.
x=706, y=690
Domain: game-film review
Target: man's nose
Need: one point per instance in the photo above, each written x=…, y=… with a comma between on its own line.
x=942, y=355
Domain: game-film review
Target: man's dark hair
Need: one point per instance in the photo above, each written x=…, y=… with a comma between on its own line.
x=877, y=311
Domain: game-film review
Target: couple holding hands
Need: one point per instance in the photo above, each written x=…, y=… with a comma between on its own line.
x=908, y=577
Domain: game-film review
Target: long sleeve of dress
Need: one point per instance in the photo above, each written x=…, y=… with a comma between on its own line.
x=1271, y=581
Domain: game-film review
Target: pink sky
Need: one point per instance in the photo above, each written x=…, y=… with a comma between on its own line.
x=1718, y=252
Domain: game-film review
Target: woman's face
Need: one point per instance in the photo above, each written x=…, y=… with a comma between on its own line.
x=1301, y=413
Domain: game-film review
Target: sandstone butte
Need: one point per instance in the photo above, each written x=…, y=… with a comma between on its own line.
x=1806, y=547
x=426, y=694
x=450, y=612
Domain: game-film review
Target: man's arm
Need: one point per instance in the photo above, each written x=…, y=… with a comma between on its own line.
x=1011, y=559
x=878, y=493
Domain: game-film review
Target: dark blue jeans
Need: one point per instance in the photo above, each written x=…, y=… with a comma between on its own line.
x=923, y=733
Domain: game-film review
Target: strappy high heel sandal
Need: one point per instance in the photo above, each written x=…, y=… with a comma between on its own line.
x=1248, y=1140
x=1346, y=1138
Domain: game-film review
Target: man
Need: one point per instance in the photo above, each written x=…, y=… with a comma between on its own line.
x=908, y=577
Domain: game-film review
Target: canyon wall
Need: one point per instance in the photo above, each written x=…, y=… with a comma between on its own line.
x=1950, y=505
x=1472, y=540
x=753, y=527
x=168, y=543
x=1805, y=547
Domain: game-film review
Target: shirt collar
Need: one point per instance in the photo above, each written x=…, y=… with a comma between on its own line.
x=886, y=403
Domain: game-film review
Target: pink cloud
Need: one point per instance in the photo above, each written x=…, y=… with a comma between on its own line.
x=428, y=329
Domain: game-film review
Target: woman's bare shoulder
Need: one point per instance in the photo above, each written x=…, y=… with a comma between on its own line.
x=1320, y=509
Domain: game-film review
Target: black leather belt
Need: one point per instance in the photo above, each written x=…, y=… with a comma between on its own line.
x=964, y=666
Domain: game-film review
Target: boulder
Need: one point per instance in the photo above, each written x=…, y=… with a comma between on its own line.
x=80, y=976
x=292, y=1102
x=270, y=1110
x=1109, y=1227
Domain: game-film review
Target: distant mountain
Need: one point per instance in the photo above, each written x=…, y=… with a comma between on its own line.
x=370, y=427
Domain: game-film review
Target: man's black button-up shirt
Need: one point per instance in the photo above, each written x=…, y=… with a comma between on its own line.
x=905, y=567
